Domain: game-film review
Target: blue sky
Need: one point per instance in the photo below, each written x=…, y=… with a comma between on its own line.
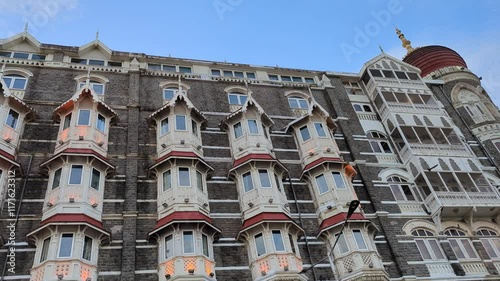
x=317, y=35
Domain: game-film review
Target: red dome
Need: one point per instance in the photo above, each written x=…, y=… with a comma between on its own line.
x=432, y=58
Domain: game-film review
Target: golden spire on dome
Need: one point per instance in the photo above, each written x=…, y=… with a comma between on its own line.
x=406, y=43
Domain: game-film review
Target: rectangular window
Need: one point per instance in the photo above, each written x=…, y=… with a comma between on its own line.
x=264, y=179
x=66, y=245
x=96, y=62
x=84, y=117
x=184, y=69
x=456, y=249
x=252, y=127
x=204, y=241
x=490, y=244
x=98, y=88
x=199, y=180
x=167, y=180
x=239, y=74
x=194, y=127
x=169, y=68
x=292, y=243
x=250, y=75
x=321, y=182
x=343, y=248
x=215, y=72
x=304, y=132
x=259, y=244
x=423, y=249
x=168, y=94
x=95, y=179
x=180, y=122
x=75, y=176
x=184, y=179
x=278, y=182
x=279, y=246
x=21, y=56
x=45, y=249
x=153, y=66
x=339, y=180
x=87, y=248
x=228, y=73
x=188, y=242
x=169, y=246
x=436, y=249
x=320, y=130
x=56, y=181
x=67, y=121
x=247, y=181
x=101, y=123
x=286, y=78
x=360, y=240
x=164, y=127
x=238, y=132
x=309, y=80
x=12, y=119
x=273, y=77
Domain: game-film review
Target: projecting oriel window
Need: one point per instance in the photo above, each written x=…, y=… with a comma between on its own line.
x=84, y=117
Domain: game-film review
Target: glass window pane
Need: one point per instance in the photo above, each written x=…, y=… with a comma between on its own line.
x=204, y=240
x=250, y=75
x=180, y=122
x=321, y=182
x=215, y=72
x=247, y=181
x=259, y=243
x=66, y=246
x=303, y=103
x=342, y=244
x=101, y=123
x=5, y=54
x=360, y=241
x=87, y=248
x=199, y=180
x=194, y=127
x=228, y=73
x=184, y=179
x=339, y=180
x=84, y=117
x=168, y=94
x=238, y=132
x=96, y=62
x=278, y=182
x=320, y=130
x=233, y=99
x=67, y=121
x=169, y=246
x=57, y=178
x=293, y=103
x=183, y=69
x=243, y=99
x=21, y=56
x=456, y=249
x=188, y=242
x=45, y=249
x=296, y=79
x=304, y=132
x=75, y=176
x=375, y=147
x=169, y=68
x=309, y=80
x=468, y=248
x=292, y=243
x=398, y=195
x=19, y=83
x=436, y=249
x=252, y=127
x=7, y=81
x=96, y=176
x=154, y=66
x=423, y=249
x=286, y=78
x=273, y=77
x=167, y=180
x=12, y=119
x=238, y=74
x=98, y=88
x=279, y=246
x=264, y=178
x=164, y=127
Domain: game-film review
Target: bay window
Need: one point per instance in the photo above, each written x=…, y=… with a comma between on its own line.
x=84, y=117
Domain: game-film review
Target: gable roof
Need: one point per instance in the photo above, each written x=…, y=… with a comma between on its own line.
x=80, y=93
x=314, y=107
x=179, y=96
x=18, y=38
x=250, y=102
x=386, y=56
x=31, y=113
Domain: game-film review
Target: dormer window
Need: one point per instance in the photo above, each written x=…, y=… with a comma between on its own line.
x=84, y=117
x=237, y=98
x=297, y=102
x=12, y=119
x=15, y=81
x=97, y=86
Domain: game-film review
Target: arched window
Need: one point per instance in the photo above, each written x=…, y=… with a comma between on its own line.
x=297, y=102
x=428, y=245
x=169, y=93
x=96, y=82
x=236, y=98
x=401, y=189
x=490, y=241
x=97, y=86
x=15, y=81
x=461, y=245
x=379, y=142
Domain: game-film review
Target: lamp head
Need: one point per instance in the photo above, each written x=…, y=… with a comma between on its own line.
x=352, y=207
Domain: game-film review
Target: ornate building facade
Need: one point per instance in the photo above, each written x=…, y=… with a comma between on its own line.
x=126, y=166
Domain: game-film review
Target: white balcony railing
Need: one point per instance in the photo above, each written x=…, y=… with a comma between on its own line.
x=474, y=268
x=68, y=269
x=440, y=269
x=187, y=267
x=274, y=264
x=439, y=199
x=359, y=262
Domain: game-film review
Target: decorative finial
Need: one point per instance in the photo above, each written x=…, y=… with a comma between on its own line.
x=249, y=92
x=2, y=70
x=179, y=85
x=26, y=28
x=97, y=36
x=406, y=43
x=381, y=50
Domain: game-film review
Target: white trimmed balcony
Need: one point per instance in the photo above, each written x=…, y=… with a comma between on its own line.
x=73, y=200
x=74, y=270
x=460, y=202
x=82, y=137
x=416, y=149
x=360, y=263
x=277, y=266
x=187, y=268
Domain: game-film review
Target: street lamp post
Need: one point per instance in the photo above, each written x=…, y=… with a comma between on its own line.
x=352, y=207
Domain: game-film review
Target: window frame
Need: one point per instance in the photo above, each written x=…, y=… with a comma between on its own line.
x=340, y=174
x=356, y=240
x=297, y=100
x=489, y=239
x=16, y=119
x=249, y=174
x=92, y=179
x=242, y=98
x=194, y=128
x=325, y=135
x=71, y=246
x=165, y=255
x=318, y=186
x=81, y=174
x=162, y=123
x=93, y=84
x=275, y=233
x=302, y=133
x=342, y=241
x=54, y=179
x=67, y=121
x=256, y=127
x=169, y=175
x=44, y=253
x=179, y=176
x=205, y=245
x=261, y=238
x=101, y=121
x=237, y=127
x=12, y=81
x=91, y=247
x=80, y=115
x=193, y=242
x=261, y=172
x=199, y=181
x=177, y=116
x=426, y=240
